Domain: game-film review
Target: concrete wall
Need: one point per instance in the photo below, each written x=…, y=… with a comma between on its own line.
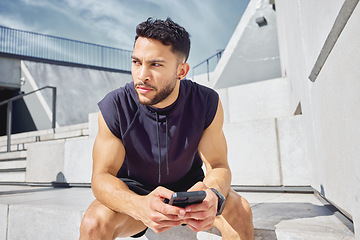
x=268, y=152
x=330, y=104
x=78, y=89
x=39, y=109
x=254, y=101
x=10, y=73
x=303, y=27
x=67, y=160
x=266, y=143
x=252, y=53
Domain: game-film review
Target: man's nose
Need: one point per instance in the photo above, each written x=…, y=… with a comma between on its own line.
x=144, y=74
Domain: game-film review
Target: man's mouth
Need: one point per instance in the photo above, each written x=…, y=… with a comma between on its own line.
x=143, y=89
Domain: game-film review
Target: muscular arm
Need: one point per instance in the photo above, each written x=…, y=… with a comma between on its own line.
x=108, y=157
x=213, y=151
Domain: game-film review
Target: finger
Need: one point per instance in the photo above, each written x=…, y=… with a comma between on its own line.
x=167, y=213
x=200, y=225
x=173, y=210
x=200, y=207
x=163, y=192
x=197, y=215
x=164, y=225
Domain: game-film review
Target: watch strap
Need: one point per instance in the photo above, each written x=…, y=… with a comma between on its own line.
x=221, y=201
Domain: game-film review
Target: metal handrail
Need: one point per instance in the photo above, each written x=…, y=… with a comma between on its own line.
x=217, y=55
x=46, y=47
x=9, y=111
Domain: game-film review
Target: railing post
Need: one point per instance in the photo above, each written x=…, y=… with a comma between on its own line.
x=8, y=125
x=10, y=110
x=208, y=74
x=218, y=55
x=54, y=108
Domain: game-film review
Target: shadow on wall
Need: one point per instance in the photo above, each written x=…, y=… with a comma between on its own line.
x=271, y=214
x=60, y=181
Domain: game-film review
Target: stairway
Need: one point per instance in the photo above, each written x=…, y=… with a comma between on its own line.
x=13, y=167
x=13, y=163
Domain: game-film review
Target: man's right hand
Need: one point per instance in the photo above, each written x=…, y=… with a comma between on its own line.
x=156, y=214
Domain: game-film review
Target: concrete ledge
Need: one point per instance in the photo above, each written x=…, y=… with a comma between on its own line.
x=45, y=161
x=15, y=141
x=71, y=128
x=78, y=160
x=12, y=176
x=61, y=135
x=252, y=153
x=93, y=124
x=13, y=164
x=13, y=155
x=13, y=148
x=48, y=134
x=60, y=161
x=27, y=134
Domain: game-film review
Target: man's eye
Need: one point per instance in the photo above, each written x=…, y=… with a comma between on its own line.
x=156, y=64
x=135, y=61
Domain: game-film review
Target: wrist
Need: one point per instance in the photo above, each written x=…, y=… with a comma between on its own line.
x=220, y=201
x=137, y=208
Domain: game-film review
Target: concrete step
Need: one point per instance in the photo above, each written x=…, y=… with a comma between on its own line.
x=7, y=166
x=13, y=167
x=54, y=213
x=17, y=176
x=18, y=155
x=20, y=140
x=14, y=147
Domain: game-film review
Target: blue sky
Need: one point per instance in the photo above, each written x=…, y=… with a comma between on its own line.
x=210, y=23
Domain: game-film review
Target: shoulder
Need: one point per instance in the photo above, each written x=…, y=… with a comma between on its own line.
x=204, y=99
x=198, y=90
x=117, y=107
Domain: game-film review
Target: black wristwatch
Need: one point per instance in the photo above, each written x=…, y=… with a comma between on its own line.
x=221, y=201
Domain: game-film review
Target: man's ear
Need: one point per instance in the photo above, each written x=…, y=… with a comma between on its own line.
x=183, y=70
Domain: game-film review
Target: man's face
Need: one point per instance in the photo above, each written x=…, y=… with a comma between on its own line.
x=154, y=72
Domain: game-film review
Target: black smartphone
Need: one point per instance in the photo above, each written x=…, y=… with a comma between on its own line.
x=183, y=199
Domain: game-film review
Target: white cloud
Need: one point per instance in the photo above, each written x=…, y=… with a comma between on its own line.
x=13, y=22
x=109, y=18
x=112, y=22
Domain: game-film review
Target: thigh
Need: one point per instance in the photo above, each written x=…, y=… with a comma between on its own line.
x=116, y=224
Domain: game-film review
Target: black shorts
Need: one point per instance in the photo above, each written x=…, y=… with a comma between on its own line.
x=139, y=189
x=143, y=189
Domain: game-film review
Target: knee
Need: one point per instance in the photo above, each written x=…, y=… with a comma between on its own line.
x=92, y=227
x=241, y=205
x=245, y=205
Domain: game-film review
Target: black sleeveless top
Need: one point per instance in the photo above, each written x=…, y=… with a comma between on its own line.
x=161, y=144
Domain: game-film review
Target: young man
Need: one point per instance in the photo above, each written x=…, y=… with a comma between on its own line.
x=154, y=135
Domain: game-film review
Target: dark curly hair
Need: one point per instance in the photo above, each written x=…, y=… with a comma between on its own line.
x=168, y=32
